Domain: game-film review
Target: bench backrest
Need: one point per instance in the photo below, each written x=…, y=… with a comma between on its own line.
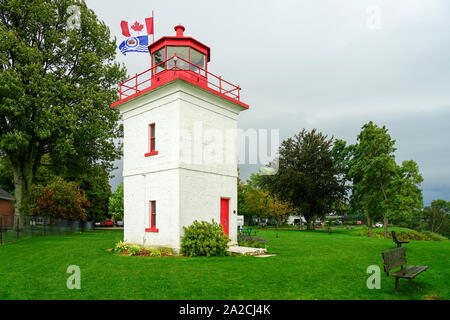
x=394, y=258
x=394, y=236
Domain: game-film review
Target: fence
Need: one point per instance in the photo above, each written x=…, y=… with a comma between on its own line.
x=143, y=80
x=15, y=227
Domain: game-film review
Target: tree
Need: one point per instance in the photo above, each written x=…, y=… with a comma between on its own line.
x=92, y=179
x=372, y=170
x=263, y=204
x=436, y=215
x=6, y=176
x=116, y=203
x=255, y=180
x=242, y=195
x=95, y=182
x=405, y=199
x=380, y=186
x=257, y=202
x=59, y=199
x=279, y=209
x=309, y=175
x=56, y=85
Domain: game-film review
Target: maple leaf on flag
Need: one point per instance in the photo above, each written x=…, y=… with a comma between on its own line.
x=137, y=27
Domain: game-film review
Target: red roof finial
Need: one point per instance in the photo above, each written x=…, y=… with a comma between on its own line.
x=179, y=29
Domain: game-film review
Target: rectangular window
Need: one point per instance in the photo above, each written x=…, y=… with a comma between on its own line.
x=152, y=218
x=158, y=58
x=152, y=138
x=198, y=59
x=153, y=213
x=182, y=52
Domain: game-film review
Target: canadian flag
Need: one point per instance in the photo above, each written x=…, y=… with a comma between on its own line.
x=137, y=28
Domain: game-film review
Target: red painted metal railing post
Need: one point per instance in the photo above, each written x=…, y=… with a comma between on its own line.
x=239, y=93
x=120, y=90
x=136, y=83
x=220, y=84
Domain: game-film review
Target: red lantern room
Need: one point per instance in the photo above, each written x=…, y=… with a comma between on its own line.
x=190, y=55
x=178, y=57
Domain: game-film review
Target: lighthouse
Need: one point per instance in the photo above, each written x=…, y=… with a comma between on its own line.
x=180, y=144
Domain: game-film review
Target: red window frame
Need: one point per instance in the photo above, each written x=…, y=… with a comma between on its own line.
x=152, y=218
x=152, y=141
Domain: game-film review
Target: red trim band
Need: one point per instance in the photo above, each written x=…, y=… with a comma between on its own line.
x=149, y=154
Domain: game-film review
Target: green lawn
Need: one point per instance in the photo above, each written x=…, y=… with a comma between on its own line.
x=310, y=265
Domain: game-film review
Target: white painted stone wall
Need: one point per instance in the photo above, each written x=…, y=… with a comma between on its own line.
x=196, y=163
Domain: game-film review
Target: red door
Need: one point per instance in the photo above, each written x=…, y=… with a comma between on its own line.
x=225, y=214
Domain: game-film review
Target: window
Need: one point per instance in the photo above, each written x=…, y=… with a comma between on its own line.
x=152, y=218
x=153, y=214
x=198, y=59
x=152, y=143
x=159, y=57
x=152, y=137
x=182, y=52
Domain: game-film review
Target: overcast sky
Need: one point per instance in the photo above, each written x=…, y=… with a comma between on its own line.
x=321, y=64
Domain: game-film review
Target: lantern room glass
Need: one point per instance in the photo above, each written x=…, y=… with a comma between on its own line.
x=159, y=57
x=198, y=59
x=182, y=52
x=195, y=57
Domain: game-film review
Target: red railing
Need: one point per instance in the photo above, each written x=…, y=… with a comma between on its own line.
x=143, y=80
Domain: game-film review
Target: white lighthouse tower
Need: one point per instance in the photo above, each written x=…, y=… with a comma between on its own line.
x=180, y=145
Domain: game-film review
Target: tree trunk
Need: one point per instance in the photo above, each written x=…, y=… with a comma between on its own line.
x=22, y=188
x=385, y=226
x=24, y=171
x=369, y=223
x=309, y=225
x=277, y=229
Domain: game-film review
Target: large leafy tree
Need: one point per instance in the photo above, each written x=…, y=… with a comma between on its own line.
x=373, y=168
x=381, y=187
x=56, y=85
x=309, y=175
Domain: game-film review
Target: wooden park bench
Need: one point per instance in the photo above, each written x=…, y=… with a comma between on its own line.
x=395, y=258
x=397, y=242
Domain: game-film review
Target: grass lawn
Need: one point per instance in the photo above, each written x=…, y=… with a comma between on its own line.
x=310, y=265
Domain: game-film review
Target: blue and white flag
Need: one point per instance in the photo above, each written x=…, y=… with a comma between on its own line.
x=134, y=44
